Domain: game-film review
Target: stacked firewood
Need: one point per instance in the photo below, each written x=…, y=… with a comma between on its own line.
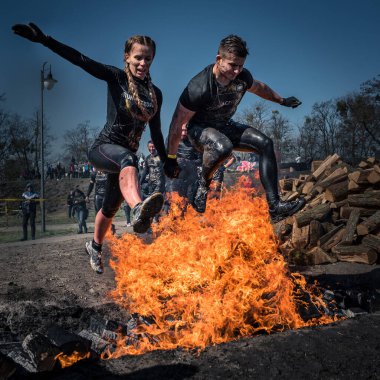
x=341, y=219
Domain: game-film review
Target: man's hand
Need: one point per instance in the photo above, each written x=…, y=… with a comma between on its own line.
x=290, y=102
x=31, y=32
x=171, y=168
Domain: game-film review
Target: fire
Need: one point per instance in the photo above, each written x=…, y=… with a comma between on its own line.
x=69, y=360
x=207, y=279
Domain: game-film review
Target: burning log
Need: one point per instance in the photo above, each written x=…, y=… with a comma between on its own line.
x=103, y=334
x=98, y=345
x=107, y=329
x=41, y=351
x=36, y=353
x=72, y=346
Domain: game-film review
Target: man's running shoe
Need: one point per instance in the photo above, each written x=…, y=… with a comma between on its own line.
x=200, y=198
x=283, y=209
x=143, y=213
x=95, y=258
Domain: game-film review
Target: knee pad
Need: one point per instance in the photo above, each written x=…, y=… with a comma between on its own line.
x=129, y=159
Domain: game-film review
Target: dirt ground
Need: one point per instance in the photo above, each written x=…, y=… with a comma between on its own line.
x=49, y=281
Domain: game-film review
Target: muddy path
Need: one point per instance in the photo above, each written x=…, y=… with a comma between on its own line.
x=49, y=281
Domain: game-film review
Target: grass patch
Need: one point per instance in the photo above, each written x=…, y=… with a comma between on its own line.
x=14, y=236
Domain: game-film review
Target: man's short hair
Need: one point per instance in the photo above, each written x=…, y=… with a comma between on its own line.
x=150, y=142
x=233, y=44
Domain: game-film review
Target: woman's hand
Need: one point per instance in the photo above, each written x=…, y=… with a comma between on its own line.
x=31, y=32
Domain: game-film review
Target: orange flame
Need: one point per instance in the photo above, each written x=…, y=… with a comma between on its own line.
x=69, y=360
x=207, y=279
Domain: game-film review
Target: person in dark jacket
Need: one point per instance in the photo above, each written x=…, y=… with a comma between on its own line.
x=80, y=210
x=70, y=204
x=28, y=207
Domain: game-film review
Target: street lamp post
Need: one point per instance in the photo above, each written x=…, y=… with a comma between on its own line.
x=46, y=82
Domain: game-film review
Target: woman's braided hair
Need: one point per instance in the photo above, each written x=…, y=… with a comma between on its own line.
x=145, y=114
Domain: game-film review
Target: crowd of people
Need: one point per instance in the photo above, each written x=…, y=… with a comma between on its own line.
x=202, y=135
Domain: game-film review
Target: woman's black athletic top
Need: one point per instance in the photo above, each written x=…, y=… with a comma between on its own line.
x=213, y=103
x=121, y=127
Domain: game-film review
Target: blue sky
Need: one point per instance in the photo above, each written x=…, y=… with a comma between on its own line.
x=314, y=50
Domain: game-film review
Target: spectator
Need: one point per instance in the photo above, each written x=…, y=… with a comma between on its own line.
x=153, y=168
x=28, y=207
x=80, y=209
x=127, y=212
x=70, y=203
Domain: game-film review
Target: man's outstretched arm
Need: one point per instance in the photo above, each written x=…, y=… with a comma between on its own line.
x=264, y=91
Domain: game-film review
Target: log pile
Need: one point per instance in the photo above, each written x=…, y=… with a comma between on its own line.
x=341, y=219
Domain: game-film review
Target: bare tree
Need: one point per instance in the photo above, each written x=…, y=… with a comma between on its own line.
x=257, y=116
x=280, y=131
x=325, y=118
x=20, y=146
x=79, y=140
x=273, y=124
x=307, y=142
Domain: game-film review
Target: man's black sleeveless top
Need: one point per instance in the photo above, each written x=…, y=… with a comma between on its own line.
x=121, y=127
x=213, y=103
